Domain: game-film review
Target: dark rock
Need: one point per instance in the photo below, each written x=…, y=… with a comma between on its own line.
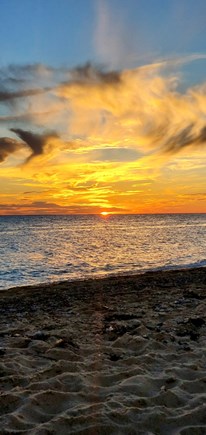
x=185, y=345
x=187, y=348
x=21, y=342
x=114, y=357
x=151, y=327
x=2, y=351
x=192, y=295
x=197, y=321
x=182, y=332
x=40, y=335
x=170, y=380
x=194, y=335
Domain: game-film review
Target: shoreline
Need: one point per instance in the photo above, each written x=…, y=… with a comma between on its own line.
x=105, y=356
x=113, y=277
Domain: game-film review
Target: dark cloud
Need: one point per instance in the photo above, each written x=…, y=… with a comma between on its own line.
x=18, y=74
x=43, y=207
x=36, y=142
x=184, y=138
x=202, y=135
x=9, y=95
x=88, y=73
x=8, y=146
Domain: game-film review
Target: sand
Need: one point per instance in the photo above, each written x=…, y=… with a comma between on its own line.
x=122, y=355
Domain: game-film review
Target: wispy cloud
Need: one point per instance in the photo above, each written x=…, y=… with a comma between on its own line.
x=111, y=38
x=90, y=108
x=6, y=96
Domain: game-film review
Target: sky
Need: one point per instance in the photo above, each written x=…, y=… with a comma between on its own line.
x=102, y=106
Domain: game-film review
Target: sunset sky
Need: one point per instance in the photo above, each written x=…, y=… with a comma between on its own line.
x=102, y=106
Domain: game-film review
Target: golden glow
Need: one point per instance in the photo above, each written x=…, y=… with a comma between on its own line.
x=130, y=146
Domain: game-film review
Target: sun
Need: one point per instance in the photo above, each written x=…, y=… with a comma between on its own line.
x=104, y=213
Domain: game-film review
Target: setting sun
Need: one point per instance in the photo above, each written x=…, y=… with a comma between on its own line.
x=104, y=213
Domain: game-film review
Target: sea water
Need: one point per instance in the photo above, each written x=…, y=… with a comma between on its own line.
x=38, y=249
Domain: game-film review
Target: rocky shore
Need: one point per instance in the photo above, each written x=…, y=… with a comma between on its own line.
x=121, y=355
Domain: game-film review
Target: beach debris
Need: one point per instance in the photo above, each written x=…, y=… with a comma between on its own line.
x=118, y=329
x=118, y=324
x=65, y=342
x=60, y=343
x=114, y=331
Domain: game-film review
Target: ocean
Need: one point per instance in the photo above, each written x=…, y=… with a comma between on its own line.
x=42, y=249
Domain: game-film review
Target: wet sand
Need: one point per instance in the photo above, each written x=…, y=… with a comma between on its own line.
x=122, y=355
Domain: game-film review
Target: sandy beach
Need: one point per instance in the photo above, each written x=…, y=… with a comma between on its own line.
x=121, y=355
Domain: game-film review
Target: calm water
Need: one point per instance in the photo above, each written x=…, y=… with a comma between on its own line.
x=36, y=249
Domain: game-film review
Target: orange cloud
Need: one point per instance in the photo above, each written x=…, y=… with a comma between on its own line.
x=109, y=127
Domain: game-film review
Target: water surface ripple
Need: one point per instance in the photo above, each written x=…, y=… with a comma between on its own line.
x=37, y=249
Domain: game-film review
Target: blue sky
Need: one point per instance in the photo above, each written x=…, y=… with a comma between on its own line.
x=64, y=32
